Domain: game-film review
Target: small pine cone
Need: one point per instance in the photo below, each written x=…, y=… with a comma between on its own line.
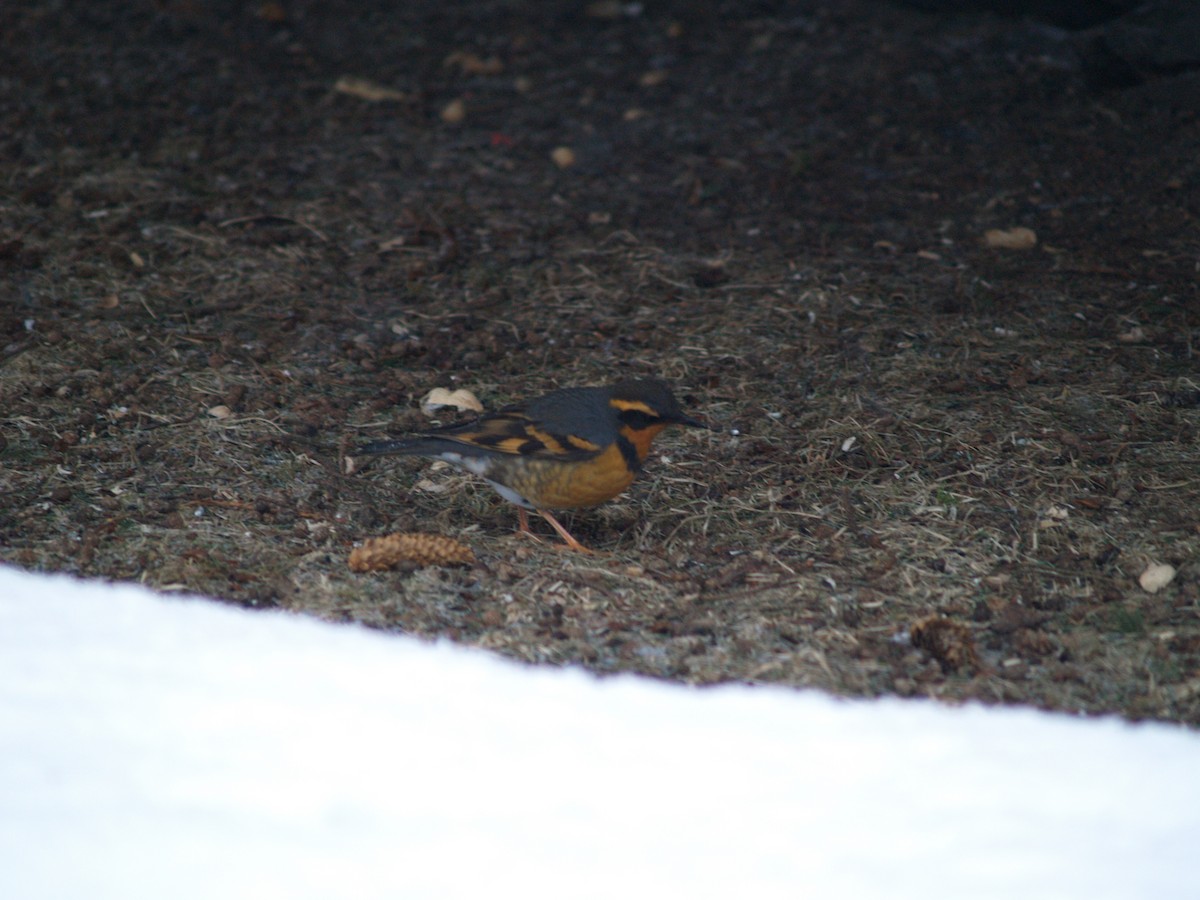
x=950, y=643
x=414, y=547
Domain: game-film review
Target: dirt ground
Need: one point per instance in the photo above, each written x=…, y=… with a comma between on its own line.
x=237, y=240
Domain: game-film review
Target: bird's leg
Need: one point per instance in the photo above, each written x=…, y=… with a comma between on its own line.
x=523, y=528
x=563, y=533
x=523, y=523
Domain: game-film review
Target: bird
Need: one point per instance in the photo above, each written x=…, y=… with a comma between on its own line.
x=572, y=448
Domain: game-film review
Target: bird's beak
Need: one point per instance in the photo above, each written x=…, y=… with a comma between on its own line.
x=692, y=423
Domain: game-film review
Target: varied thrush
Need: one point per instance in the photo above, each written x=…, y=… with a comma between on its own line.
x=571, y=448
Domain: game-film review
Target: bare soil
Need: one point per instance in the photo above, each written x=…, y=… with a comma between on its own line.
x=940, y=467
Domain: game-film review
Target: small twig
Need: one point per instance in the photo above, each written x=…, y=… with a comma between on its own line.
x=273, y=217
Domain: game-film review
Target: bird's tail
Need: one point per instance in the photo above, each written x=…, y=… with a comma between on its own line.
x=405, y=447
x=416, y=446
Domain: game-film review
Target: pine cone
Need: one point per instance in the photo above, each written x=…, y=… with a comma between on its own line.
x=950, y=643
x=414, y=547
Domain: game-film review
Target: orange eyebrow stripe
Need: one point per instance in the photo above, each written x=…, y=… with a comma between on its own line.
x=627, y=405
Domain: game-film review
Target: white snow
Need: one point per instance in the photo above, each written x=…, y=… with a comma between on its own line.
x=165, y=747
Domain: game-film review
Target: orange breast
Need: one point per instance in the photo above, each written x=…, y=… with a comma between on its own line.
x=554, y=485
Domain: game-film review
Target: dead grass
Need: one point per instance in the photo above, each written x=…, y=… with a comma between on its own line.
x=910, y=428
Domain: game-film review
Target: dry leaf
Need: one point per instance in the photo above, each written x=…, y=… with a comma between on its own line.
x=440, y=398
x=563, y=157
x=428, y=486
x=366, y=90
x=454, y=112
x=1011, y=238
x=1156, y=577
x=272, y=11
x=605, y=9
x=1054, y=516
x=471, y=64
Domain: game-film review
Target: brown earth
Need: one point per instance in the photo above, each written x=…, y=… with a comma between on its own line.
x=940, y=468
